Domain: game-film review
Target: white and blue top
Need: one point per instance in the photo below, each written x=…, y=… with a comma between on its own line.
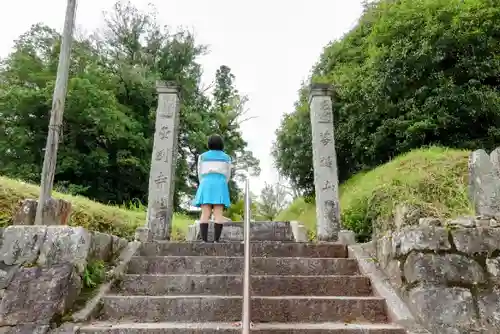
x=214, y=173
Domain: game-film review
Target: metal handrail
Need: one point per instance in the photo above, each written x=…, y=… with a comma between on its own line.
x=246, y=274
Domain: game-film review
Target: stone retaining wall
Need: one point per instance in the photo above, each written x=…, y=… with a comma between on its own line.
x=41, y=271
x=233, y=231
x=448, y=273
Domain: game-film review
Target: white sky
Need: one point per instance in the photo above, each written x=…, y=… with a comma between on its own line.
x=269, y=45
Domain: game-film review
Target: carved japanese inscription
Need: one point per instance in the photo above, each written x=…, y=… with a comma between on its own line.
x=329, y=210
x=169, y=112
x=327, y=185
x=164, y=132
x=326, y=161
x=162, y=155
x=163, y=160
x=325, y=138
x=162, y=203
x=325, y=114
x=161, y=180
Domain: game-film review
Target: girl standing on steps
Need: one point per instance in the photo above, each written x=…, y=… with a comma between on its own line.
x=214, y=172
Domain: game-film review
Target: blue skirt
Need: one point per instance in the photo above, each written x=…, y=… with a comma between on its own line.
x=213, y=190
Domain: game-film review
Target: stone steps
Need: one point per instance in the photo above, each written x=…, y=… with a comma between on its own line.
x=282, y=309
x=259, y=249
x=181, y=288
x=229, y=328
x=232, y=285
x=234, y=265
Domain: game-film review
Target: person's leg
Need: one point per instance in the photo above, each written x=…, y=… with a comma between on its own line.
x=206, y=211
x=218, y=221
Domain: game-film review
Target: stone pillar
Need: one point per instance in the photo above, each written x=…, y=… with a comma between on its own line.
x=163, y=162
x=325, y=163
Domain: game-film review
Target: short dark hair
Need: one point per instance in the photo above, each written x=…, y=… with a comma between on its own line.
x=215, y=143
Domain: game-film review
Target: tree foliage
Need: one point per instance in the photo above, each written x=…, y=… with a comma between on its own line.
x=108, y=123
x=411, y=73
x=273, y=199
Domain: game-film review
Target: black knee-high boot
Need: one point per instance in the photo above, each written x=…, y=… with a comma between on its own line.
x=217, y=231
x=204, y=232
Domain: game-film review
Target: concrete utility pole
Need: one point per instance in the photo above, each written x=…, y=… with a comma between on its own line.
x=56, y=115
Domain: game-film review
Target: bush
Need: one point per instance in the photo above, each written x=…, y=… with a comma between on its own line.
x=300, y=210
x=119, y=221
x=434, y=179
x=236, y=211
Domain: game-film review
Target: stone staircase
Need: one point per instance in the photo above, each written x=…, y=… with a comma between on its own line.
x=188, y=288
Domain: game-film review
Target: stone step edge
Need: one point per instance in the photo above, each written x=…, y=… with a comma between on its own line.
x=241, y=275
x=117, y=296
x=225, y=325
x=162, y=257
x=230, y=242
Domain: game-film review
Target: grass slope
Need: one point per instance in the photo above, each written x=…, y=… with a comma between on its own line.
x=435, y=179
x=89, y=214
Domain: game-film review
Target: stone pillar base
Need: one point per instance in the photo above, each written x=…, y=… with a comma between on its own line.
x=193, y=231
x=55, y=212
x=143, y=234
x=347, y=237
x=299, y=231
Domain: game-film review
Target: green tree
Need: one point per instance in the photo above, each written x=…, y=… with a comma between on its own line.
x=96, y=131
x=226, y=115
x=412, y=73
x=141, y=52
x=292, y=150
x=108, y=123
x=273, y=199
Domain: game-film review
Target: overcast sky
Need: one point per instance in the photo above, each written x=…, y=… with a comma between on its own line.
x=269, y=45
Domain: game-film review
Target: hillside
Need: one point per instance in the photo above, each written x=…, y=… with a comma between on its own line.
x=89, y=214
x=435, y=179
